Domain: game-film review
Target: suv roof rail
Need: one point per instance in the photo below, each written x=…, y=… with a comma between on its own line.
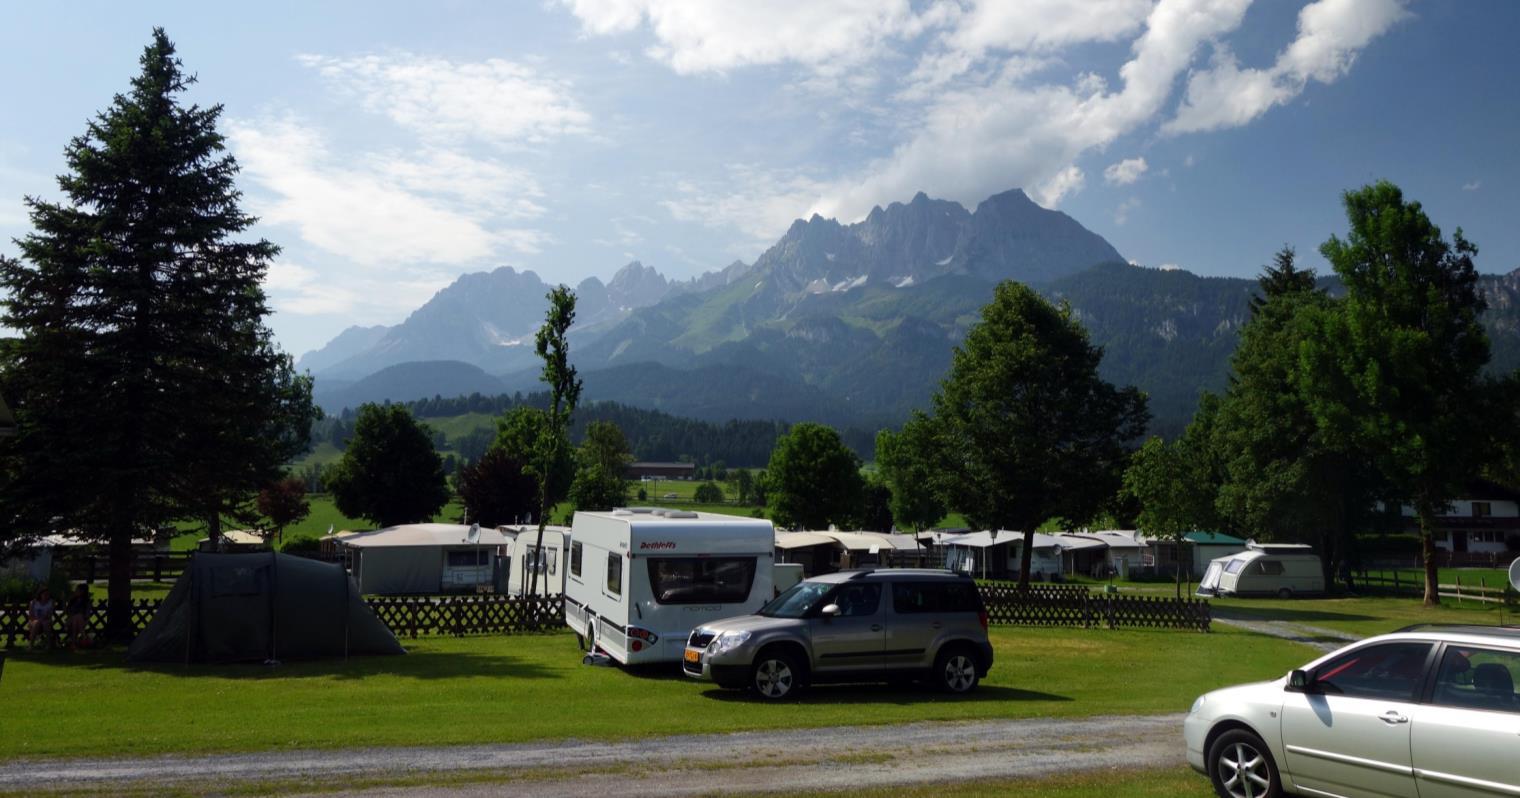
x=1506, y=630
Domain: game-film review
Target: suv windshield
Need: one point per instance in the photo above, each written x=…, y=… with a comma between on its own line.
x=796, y=602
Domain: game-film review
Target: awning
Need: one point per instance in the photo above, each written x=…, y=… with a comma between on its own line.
x=984, y=539
x=801, y=540
x=1079, y=542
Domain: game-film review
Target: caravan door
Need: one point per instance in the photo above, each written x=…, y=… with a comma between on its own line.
x=1209, y=584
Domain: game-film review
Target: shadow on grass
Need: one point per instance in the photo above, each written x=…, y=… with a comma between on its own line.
x=421, y=665
x=897, y=695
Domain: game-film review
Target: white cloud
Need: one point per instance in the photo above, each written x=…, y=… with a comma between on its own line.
x=1065, y=182
x=761, y=204
x=1121, y=213
x=1473, y=186
x=494, y=100
x=1330, y=34
x=985, y=135
x=1125, y=172
x=698, y=37
x=385, y=209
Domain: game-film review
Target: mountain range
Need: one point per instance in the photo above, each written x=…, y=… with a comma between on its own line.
x=849, y=324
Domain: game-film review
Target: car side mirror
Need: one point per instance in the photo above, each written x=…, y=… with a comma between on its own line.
x=829, y=611
x=1298, y=681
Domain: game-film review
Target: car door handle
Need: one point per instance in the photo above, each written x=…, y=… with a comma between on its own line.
x=1392, y=716
x=876, y=627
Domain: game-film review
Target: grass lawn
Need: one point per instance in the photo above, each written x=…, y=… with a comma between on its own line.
x=1493, y=578
x=517, y=689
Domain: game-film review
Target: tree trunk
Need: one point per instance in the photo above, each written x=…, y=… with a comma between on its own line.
x=1428, y=551
x=214, y=532
x=1178, y=543
x=119, y=587
x=1026, y=557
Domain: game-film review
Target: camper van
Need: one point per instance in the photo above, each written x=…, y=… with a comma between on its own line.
x=640, y=579
x=524, y=552
x=1265, y=569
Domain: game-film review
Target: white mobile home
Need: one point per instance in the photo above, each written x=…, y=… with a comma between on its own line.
x=1265, y=569
x=425, y=559
x=641, y=579
x=997, y=556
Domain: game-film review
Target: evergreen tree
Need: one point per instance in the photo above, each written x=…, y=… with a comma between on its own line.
x=145, y=382
x=601, y=481
x=813, y=479
x=1282, y=278
x=390, y=473
x=1024, y=427
x=1397, y=373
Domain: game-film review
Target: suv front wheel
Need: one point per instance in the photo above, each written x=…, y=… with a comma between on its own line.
x=955, y=670
x=776, y=675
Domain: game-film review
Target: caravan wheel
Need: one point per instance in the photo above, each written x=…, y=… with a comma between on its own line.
x=590, y=634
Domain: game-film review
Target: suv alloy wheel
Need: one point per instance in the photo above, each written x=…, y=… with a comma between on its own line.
x=955, y=671
x=775, y=675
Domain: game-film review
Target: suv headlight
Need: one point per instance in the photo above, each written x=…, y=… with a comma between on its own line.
x=728, y=641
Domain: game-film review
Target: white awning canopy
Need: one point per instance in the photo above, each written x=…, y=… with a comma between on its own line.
x=985, y=539
x=802, y=540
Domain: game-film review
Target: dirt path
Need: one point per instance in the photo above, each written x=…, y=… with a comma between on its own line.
x=812, y=759
x=1325, y=640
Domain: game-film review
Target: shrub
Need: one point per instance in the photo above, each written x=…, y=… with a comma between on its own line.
x=709, y=493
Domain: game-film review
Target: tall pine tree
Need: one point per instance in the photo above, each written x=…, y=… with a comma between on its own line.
x=146, y=385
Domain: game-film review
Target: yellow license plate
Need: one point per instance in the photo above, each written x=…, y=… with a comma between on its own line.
x=693, y=655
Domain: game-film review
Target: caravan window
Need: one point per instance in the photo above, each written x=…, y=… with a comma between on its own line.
x=469, y=558
x=575, y=559
x=696, y=580
x=1269, y=567
x=1234, y=566
x=553, y=561
x=614, y=574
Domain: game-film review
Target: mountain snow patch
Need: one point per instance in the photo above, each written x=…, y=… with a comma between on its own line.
x=945, y=262
x=854, y=282
x=829, y=255
x=903, y=282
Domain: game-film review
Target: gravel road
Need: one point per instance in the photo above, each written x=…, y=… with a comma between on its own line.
x=810, y=759
x=1325, y=640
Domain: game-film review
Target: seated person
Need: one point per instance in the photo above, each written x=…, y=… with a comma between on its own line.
x=39, y=615
x=78, y=611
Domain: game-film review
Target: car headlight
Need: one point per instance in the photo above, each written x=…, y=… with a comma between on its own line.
x=728, y=641
x=1198, y=705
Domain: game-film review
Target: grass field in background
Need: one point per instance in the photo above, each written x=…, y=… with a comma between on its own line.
x=526, y=688
x=1365, y=617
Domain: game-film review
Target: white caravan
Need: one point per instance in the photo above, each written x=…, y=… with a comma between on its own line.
x=523, y=552
x=1265, y=569
x=640, y=579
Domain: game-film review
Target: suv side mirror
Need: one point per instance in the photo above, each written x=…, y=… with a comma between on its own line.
x=829, y=610
x=1299, y=682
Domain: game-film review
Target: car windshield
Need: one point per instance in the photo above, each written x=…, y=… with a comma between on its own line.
x=796, y=602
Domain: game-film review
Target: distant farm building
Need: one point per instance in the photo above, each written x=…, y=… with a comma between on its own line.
x=661, y=470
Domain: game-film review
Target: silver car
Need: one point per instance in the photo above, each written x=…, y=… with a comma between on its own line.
x=1428, y=711
x=853, y=626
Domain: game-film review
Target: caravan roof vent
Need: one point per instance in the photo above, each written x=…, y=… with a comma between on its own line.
x=676, y=513
x=634, y=510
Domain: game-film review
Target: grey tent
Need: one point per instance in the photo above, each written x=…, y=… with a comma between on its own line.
x=261, y=606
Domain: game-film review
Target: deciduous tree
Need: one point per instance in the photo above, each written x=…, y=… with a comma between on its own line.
x=495, y=490
x=553, y=442
x=1397, y=373
x=1025, y=428
x=282, y=503
x=390, y=473
x=601, y=480
x=813, y=479
x=906, y=461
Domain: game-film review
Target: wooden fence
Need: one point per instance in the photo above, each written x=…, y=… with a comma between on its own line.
x=406, y=616
x=1075, y=605
x=1481, y=589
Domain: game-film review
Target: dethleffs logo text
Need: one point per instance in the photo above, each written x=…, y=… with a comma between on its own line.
x=657, y=544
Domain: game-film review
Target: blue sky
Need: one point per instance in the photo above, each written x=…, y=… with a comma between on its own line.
x=390, y=147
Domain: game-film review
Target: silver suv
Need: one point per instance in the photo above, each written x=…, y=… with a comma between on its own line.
x=853, y=626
